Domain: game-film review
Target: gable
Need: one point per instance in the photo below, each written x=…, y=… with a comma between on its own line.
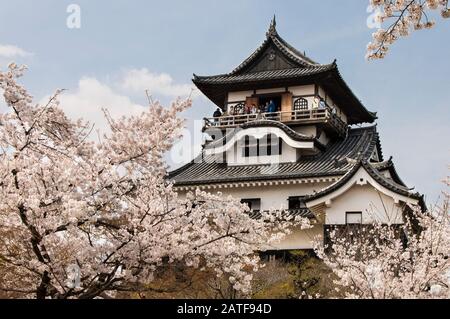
x=271, y=58
x=374, y=206
x=361, y=175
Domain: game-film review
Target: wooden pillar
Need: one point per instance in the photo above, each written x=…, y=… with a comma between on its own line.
x=286, y=106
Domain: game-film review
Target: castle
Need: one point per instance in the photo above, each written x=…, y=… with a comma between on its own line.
x=290, y=134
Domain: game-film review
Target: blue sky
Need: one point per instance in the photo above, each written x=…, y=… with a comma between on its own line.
x=124, y=45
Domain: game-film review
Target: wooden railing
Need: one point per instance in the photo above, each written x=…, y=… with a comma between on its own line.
x=293, y=117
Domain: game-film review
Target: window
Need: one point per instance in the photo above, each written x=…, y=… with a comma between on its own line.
x=270, y=145
x=250, y=147
x=295, y=202
x=236, y=108
x=253, y=203
x=353, y=218
x=300, y=104
x=267, y=146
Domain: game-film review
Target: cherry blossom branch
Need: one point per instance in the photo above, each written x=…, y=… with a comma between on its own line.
x=408, y=15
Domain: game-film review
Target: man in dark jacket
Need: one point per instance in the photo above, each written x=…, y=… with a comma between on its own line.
x=217, y=113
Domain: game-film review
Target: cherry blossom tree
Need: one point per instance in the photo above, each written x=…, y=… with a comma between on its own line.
x=402, y=17
x=85, y=219
x=387, y=261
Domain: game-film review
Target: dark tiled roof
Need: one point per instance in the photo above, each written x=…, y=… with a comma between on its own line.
x=338, y=158
x=389, y=165
x=389, y=183
x=263, y=75
x=291, y=213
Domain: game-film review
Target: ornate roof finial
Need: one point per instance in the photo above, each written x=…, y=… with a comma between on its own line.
x=273, y=27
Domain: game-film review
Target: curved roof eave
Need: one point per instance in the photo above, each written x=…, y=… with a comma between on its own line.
x=371, y=116
x=392, y=186
x=289, y=136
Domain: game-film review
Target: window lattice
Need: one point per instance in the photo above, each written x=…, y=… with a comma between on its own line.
x=238, y=108
x=300, y=104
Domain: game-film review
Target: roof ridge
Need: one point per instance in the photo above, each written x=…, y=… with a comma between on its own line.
x=378, y=176
x=303, y=59
x=282, y=45
x=314, y=68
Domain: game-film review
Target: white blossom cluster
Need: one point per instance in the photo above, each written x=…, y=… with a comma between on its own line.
x=393, y=262
x=402, y=16
x=106, y=208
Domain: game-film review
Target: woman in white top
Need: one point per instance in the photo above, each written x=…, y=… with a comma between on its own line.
x=315, y=104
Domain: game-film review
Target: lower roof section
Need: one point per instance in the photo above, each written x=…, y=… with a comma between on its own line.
x=288, y=214
x=337, y=159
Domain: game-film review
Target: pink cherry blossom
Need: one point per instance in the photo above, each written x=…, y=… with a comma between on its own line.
x=390, y=262
x=106, y=208
x=401, y=17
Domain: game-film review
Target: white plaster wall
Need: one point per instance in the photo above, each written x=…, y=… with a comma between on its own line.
x=322, y=92
x=268, y=91
x=308, y=130
x=374, y=206
x=238, y=96
x=235, y=156
x=276, y=196
x=272, y=197
x=302, y=90
x=324, y=139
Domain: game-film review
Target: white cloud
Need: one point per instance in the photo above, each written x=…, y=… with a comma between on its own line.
x=12, y=51
x=139, y=80
x=90, y=97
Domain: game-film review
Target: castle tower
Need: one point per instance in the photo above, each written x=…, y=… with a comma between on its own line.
x=285, y=139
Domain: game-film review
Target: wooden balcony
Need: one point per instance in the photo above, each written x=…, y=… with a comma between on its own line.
x=315, y=116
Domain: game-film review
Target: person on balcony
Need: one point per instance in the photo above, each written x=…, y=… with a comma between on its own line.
x=322, y=104
x=272, y=108
x=217, y=113
x=315, y=103
x=263, y=107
